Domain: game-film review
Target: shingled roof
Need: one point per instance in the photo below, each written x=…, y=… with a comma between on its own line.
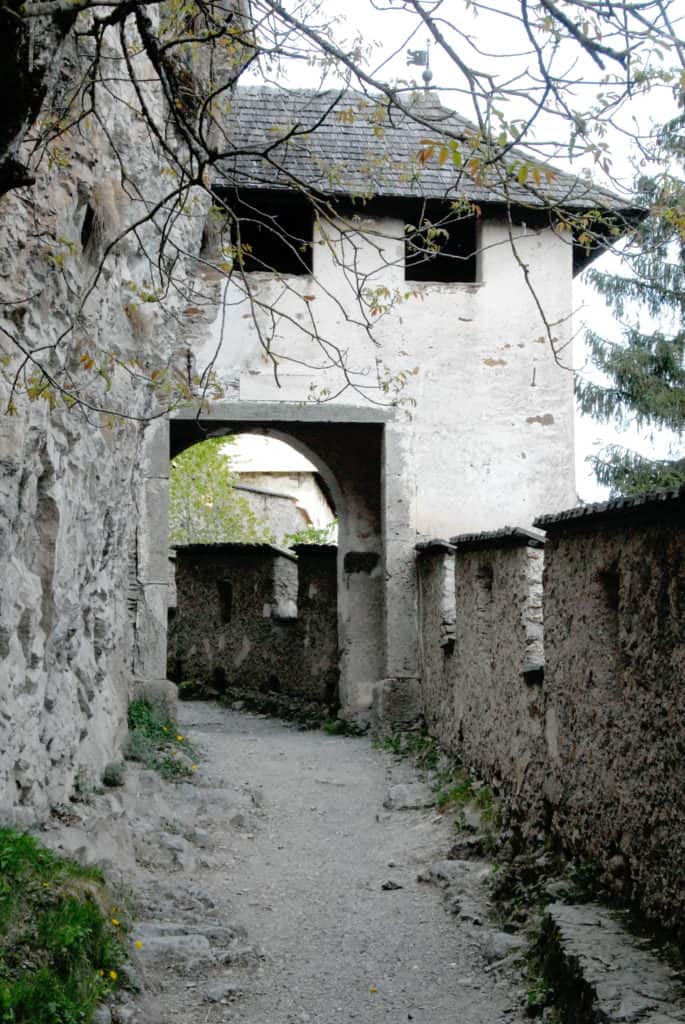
x=343, y=144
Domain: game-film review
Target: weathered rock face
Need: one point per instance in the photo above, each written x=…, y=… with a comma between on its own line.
x=78, y=586
x=66, y=654
x=29, y=64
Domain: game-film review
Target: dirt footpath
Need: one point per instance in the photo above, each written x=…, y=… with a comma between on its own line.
x=277, y=888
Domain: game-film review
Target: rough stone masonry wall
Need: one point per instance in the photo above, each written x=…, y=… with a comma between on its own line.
x=82, y=605
x=252, y=617
x=317, y=602
x=481, y=618
x=614, y=778
x=592, y=749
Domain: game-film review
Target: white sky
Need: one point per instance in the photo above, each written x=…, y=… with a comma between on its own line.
x=499, y=36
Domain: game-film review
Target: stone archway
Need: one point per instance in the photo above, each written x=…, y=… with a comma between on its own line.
x=358, y=452
x=348, y=454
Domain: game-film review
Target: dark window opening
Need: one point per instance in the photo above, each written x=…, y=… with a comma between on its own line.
x=219, y=680
x=225, y=591
x=87, y=226
x=485, y=576
x=441, y=247
x=273, y=234
x=610, y=585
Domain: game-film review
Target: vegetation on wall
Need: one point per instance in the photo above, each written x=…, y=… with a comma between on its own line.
x=156, y=741
x=312, y=535
x=204, y=507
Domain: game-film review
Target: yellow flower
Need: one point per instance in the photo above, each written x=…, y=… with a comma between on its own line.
x=138, y=944
x=179, y=738
x=113, y=975
x=115, y=922
x=46, y=885
x=193, y=767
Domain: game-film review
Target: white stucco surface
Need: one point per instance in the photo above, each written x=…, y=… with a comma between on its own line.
x=268, y=464
x=481, y=370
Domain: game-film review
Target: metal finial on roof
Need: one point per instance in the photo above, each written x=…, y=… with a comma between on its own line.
x=422, y=59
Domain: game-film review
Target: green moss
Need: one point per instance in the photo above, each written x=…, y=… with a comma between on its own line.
x=61, y=945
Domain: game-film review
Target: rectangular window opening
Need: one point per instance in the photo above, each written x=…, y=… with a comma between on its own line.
x=273, y=234
x=442, y=247
x=225, y=592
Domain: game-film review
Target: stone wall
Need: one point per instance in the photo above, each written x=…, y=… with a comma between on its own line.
x=481, y=610
x=317, y=620
x=255, y=617
x=590, y=746
x=82, y=580
x=358, y=454
x=614, y=781
x=278, y=512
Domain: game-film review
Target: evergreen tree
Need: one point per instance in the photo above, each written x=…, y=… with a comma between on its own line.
x=646, y=369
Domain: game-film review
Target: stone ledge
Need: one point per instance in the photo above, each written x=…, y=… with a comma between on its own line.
x=285, y=412
x=227, y=548
x=433, y=546
x=507, y=537
x=600, y=972
x=655, y=505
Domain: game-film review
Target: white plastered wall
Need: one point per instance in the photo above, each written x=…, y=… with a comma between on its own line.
x=489, y=440
x=484, y=437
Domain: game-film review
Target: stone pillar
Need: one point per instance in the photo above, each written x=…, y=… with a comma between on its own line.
x=397, y=697
x=152, y=569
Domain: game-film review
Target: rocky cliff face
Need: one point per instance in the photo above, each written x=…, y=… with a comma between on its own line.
x=30, y=55
x=79, y=318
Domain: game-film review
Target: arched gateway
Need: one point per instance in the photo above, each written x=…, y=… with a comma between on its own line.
x=358, y=452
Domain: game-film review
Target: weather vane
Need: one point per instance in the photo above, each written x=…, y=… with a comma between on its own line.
x=422, y=59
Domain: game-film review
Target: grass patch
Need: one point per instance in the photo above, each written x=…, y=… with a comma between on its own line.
x=61, y=943
x=339, y=727
x=418, y=745
x=155, y=739
x=455, y=790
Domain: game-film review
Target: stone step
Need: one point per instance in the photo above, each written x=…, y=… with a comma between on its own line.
x=600, y=972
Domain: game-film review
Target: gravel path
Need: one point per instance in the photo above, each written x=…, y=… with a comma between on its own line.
x=259, y=889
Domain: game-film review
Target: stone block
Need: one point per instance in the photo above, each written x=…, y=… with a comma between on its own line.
x=157, y=691
x=155, y=462
x=396, y=705
x=153, y=533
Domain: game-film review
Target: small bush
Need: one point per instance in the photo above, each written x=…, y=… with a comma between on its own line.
x=61, y=945
x=191, y=689
x=417, y=745
x=114, y=774
x=155, y=740
x=339, y=727
x=139, y=747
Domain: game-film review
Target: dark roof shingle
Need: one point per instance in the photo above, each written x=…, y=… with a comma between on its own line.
x=659, y=504
x=344, y=144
